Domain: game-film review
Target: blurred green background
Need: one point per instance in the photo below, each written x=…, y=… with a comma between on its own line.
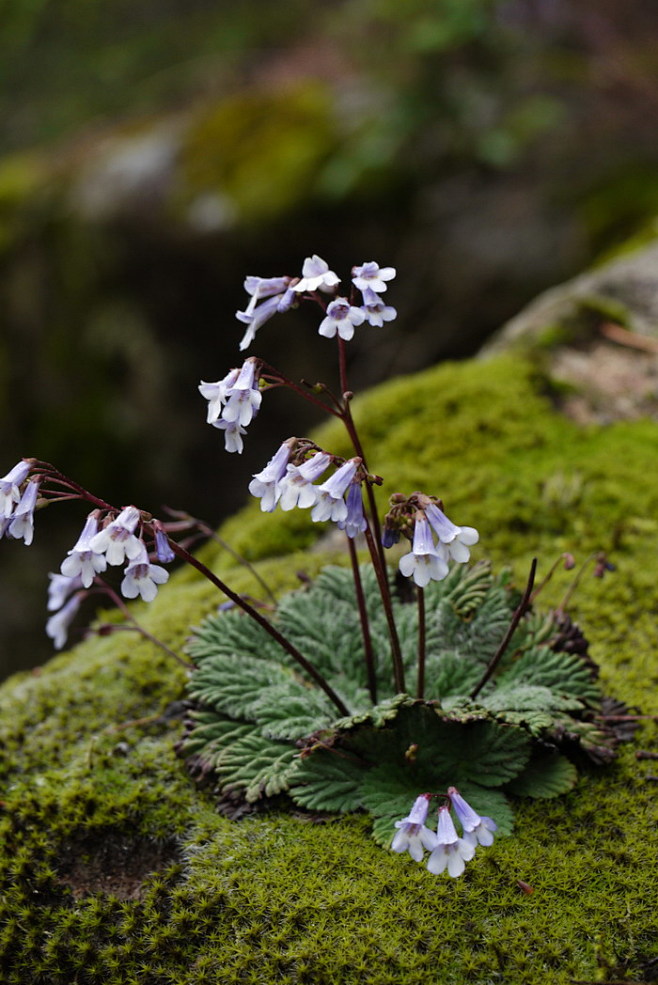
x=154, y=152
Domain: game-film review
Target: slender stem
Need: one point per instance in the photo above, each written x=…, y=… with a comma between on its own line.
x=562, y=607
x=282, y=380
x=120, y=604
x=516, y=619
x=50, y=472
x=263, y=622
x=365, y=627
x=420, y=592
x=382, y=581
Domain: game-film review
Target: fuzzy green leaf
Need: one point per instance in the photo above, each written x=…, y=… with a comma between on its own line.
x=258, y=766
x=548, y=774
x=481, y=752
x=292, y=711
x=328, y=781
x=233, y=685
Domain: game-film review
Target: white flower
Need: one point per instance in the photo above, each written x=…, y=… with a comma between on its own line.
x=330, y=504
x=117, y=540
x=316, y=276
x=451, y=851
x=265, y=484
x=375, y=310
x=341, y=317
x=21, y=526
x=295, y=488
x=143, y=578
x=215, y=394
x=457, y=539
x=60, y=588
x=280, y=297
x=10, y=487
x=82, y=561
x=232, y=435
x=412, y=836
x=424, y=563
x=371, y=275
x=57, y=626
x=243, y=398
x=477, y=830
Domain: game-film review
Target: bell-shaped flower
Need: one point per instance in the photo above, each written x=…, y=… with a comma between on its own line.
x=355, y=522
x=341, y=317
x=117, y=540
x=330, y=503
x=60, y=588
x=265, y=484
x=296, y=489
x=371, y=275
x=58, y=625
x=163, y=549
x=316, y=276
x=232, y=435
x=142, y=578
x=457, y=539
x=82, y=561
x=412, y=836
x=375, y=310
x=279, y=297
x=10, y=487
x=424, y=563
x=21, y=526
x=450, y=851
x=215, y=394
x=477, y=830
x=243, y=397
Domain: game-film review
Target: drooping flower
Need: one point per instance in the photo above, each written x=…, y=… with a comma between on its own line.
x=117, y=540
x=142, y=578
x=450, y=851
x=60, y=588
x=355, y=522
x=457, y=539
x=341, y=317
x=57, y=626
x=330, y=503
x=215, y=394
x=232, y=435
x=371, y=275
x=375, y=310
x=21, y=526
x=424, y=563
x=279, y=298
x=316, y=276
x=82, y=561
x=477, y=830
x=296, y=487
x=163, y=550
x=10, y=487
x=412, y=836
x=265, y=484
x=243, y=398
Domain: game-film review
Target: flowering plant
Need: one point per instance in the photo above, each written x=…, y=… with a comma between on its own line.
x=361, y=690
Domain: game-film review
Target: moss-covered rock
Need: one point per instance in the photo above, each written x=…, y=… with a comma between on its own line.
x=115, y=869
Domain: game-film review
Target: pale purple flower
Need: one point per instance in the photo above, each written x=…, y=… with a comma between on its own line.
x=10, y=487
x=215, y=394
x=117, y=540
x=243, y=397
x=142, y=578
x=163, y=550
x=232, y=435
x=457, y=539
x=341, y=317
x=424, y=563
x=375, y=310
x=82, y=561
x=477, y=830
x=280, y=297
x=60, y=588
x=21, y=526
x=316, y=276
x=355, y=522
x=57, y=626
x=296, y=488
x=265, y=484
x=330, y=504
x=371, y=275
x=450, y=851
x=412, y=836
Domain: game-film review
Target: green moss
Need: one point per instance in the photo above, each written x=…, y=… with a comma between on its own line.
x=88, y=750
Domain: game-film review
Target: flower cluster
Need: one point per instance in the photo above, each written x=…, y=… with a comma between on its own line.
x=18, y=500
x=428, y=559
x=233, y=403
x=447, y=850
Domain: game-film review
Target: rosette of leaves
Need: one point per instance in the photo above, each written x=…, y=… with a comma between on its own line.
x=261, y=729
